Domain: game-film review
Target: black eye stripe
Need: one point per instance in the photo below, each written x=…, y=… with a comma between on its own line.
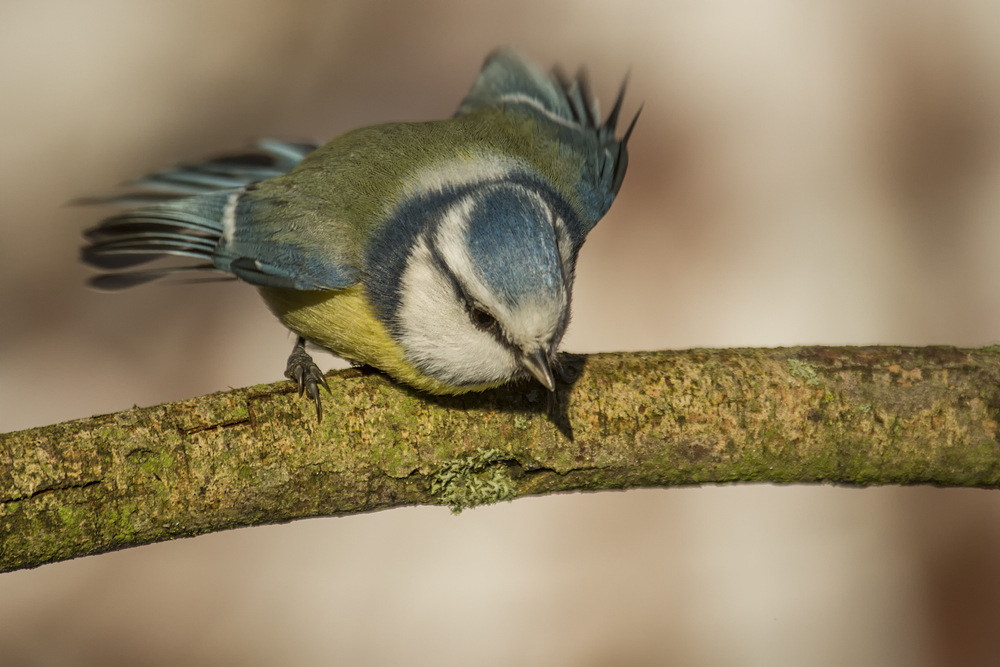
x=494, y=327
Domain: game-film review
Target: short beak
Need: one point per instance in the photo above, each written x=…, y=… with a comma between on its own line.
x=538, y=364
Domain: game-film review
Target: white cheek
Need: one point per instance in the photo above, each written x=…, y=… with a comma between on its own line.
x=438, y=336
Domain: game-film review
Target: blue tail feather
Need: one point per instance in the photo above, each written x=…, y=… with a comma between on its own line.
x=118, y=281
x=179, y=213
x=266, y=159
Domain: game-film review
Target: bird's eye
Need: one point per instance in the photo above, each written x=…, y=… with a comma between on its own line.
x=482, y=319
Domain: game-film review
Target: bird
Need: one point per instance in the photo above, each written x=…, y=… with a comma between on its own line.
x=441, y=253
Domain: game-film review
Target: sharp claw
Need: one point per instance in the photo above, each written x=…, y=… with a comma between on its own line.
x=312, y=390
x=304, y=372
x=319, y=404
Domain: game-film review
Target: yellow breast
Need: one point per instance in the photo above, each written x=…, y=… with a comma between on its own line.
x=343, y=322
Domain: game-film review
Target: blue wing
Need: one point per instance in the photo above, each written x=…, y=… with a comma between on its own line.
x=508, y=81
x=207, y=212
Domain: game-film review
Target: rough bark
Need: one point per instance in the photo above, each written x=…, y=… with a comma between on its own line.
x=858, y=416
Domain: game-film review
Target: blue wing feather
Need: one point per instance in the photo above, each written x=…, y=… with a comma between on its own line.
x=567, y=105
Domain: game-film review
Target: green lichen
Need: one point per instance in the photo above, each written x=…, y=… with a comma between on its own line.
x=66, y=515
x=479, y=479
x=157, y=463
x=804, y=371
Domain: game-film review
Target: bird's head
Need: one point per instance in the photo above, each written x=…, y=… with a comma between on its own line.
x=484, y=296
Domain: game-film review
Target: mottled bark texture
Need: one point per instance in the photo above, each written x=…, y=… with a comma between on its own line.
x=859, y=416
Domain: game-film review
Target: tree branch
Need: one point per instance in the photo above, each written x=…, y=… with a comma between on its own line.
x=859, y=416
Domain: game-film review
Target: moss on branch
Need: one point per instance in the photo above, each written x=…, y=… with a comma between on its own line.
x=858, y=416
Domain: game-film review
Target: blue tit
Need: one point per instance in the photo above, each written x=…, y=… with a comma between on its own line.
x=441, y=253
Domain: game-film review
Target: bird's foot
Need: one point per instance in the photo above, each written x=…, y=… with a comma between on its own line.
x=302, y=370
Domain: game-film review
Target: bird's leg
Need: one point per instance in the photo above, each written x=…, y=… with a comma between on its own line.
x=302, y=370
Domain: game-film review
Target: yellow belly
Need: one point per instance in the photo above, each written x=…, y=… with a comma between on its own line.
x=343, y=322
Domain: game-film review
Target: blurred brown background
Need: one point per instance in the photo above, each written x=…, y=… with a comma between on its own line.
x=804, y=172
